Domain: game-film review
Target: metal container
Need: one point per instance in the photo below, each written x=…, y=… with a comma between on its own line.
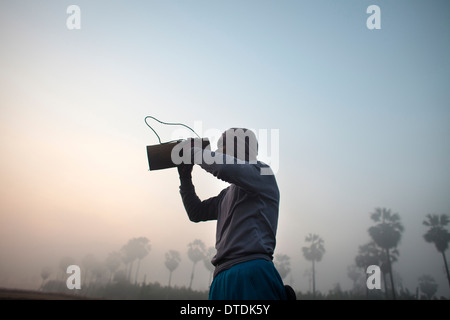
x=159, y=155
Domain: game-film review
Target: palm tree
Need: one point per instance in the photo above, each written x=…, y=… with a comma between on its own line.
x=113, y=262
x=196, y=252
x=283, y=264
x=386, y=234
x=359, y=279
x=314, y=253
x=136, y=248
x=368, y=255
x=173, y=259
x=128, y=257
x=428, y=285
x=438, y=235
x=308, y=274
x=385, y=268
x=143, y=248
x=45, y=273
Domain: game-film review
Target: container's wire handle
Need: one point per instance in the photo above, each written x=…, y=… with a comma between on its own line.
x=169, y=124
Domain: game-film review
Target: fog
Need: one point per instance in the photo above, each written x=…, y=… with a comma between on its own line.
x=352, y=119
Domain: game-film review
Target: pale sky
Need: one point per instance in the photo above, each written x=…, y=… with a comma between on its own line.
x=362, y=115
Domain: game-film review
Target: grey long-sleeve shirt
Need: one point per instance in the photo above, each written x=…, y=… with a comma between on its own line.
x=246, y=211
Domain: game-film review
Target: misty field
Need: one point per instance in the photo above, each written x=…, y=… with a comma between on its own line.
x=118, y=276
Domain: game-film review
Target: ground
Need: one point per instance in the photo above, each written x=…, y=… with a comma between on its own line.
x=16, y=294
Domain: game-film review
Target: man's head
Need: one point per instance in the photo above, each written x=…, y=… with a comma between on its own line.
x=239, y=143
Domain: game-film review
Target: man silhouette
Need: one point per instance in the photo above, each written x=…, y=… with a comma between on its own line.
x=246, y=214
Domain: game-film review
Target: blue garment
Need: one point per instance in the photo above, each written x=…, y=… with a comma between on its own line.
x=251, y=280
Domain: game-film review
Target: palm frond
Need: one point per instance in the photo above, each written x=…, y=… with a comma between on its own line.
x=445, y=219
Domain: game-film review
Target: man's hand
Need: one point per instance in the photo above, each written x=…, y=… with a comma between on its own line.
x=185, y=170
x=197, y=142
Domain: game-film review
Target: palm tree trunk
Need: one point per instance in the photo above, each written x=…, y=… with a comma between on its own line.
x=314, y=280
x=192, y=275
x=170, y=277
x=446, y=267
x=385, y=286
x=390, y=273
x=137, y=271
x=129, y=271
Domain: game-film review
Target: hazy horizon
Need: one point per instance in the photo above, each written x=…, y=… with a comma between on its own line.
x=363, y=120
